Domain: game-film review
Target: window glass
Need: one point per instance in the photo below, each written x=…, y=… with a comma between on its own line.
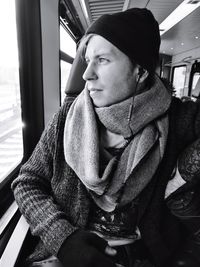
x=195, y=80
x=196, y=84
x=67, y=44
x=11, y=143
x=65, y=70
x=179, y=80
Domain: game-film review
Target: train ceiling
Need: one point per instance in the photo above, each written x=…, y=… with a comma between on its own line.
x=184, y=36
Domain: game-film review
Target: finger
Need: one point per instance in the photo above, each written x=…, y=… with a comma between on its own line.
x=110, y=251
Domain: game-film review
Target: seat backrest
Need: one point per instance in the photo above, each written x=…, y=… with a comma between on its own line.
x=75, y=83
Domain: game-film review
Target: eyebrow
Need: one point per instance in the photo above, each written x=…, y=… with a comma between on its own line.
x=100, y=54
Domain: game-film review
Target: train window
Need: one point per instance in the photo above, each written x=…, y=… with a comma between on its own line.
x=67, y=44
x=195, y=80
x=178, y=80
x=11, y=142
x=196, y=85
x=68, y=52
x=65, y=69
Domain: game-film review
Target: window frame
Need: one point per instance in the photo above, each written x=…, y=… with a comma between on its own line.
x=195, y=68
x=173, y=72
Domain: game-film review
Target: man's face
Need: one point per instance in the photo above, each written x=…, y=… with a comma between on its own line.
x=110, y=76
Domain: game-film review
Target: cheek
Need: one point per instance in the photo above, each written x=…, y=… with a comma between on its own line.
x=118, y=81
x=113, y=77
x=123, y=81
x=114, y=86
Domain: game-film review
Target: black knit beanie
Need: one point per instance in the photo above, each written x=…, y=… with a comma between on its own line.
x=135, y=32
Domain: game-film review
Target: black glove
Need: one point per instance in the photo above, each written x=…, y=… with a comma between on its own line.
x=84, y=249
x=189, y=162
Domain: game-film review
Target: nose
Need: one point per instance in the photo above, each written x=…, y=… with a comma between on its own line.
x=90, y=73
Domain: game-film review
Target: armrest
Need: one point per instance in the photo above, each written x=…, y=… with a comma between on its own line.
x=14, y=245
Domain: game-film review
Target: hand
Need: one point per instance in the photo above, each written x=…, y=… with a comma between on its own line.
x=85, y=249
x=189, y=162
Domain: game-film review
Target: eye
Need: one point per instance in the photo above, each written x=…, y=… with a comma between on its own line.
x=103, y=60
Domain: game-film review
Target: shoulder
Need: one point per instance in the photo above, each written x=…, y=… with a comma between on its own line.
x=188, y=107
x=60, y=116
x=185, y=116
x=66, y=105
x=55, y=127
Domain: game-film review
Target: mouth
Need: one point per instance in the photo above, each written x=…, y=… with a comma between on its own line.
x=93, y=91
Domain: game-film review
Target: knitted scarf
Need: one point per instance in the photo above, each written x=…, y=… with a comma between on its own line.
x=125, y=176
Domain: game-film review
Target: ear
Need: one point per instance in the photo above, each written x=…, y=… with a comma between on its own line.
x=142, y=74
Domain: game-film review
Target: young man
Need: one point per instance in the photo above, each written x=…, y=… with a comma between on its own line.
x=94, y=188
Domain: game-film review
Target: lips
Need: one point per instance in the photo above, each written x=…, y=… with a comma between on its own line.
x=92, y=89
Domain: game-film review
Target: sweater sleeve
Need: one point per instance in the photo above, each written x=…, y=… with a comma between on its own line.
x=32, y=191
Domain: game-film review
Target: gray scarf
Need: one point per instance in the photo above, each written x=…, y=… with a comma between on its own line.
x=126, y=176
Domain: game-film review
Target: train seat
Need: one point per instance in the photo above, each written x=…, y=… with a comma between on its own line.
x=75, y=83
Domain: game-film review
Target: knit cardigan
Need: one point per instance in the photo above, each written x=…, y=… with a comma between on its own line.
x=55, y=203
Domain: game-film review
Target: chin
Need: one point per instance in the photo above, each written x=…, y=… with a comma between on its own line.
x=97, y=103
x=100, y=103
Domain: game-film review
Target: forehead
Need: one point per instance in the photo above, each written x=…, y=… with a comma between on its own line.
x=99, y=45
